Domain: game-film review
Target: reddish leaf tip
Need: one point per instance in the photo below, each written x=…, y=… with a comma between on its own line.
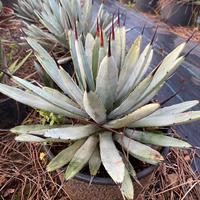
x=113, y=29
x=98, y=28
x=101, y=38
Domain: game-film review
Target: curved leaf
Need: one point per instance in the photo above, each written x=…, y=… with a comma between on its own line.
x=138, y=70
x=139, y=150
x=64, y=156
x=94, y=107
x=134, y=116
x=73, y=90
x=33, y=100
x=106, y=82
x=167, y=119
x=129, y=62
x=111, y=159
x=127, y=186
x=176, y=108
x=49, y=97
x=130, y=101
x=37, y=129
x=29, y=138
x=48, y=63
x=89, y=45
x=72, y=133
x=81, y=157
x=95, y=162
x=156, y=139
x=86, y=73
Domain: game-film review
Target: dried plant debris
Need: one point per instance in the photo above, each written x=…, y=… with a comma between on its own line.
x=23, y=175
x=174, y=179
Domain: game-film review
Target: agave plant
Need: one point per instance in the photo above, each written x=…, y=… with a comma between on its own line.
x=26, y=9
x=109, y=102
x=57, y=17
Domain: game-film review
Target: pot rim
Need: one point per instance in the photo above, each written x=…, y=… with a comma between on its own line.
x=108, y=181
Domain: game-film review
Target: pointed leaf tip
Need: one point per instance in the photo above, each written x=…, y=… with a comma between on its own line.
x=190, y=51
x=118, y=19
x=191, y=36
x=154, y=35
x=125, y=15
x=113, y=29
x=143, y=28
x=75, y=29
x=101, y=38
x=109, y=47
x=98, y=28
x=70, y=24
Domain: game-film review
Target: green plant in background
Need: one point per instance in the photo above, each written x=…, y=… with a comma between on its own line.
x=51, y=118
x=131, y=4
x=15, y=66
x=109, y=102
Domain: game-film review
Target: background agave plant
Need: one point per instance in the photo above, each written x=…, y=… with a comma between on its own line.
x=58, y=17
x=109, y=101
x=26, y=9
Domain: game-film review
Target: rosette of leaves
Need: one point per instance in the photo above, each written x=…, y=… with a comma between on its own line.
x=109, y=101
x=25, y=9
x=56, y=17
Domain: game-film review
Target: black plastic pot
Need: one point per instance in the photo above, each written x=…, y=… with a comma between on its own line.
x=102, y=188
x=146, y=5
x=12, y=113
x=177, y=14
